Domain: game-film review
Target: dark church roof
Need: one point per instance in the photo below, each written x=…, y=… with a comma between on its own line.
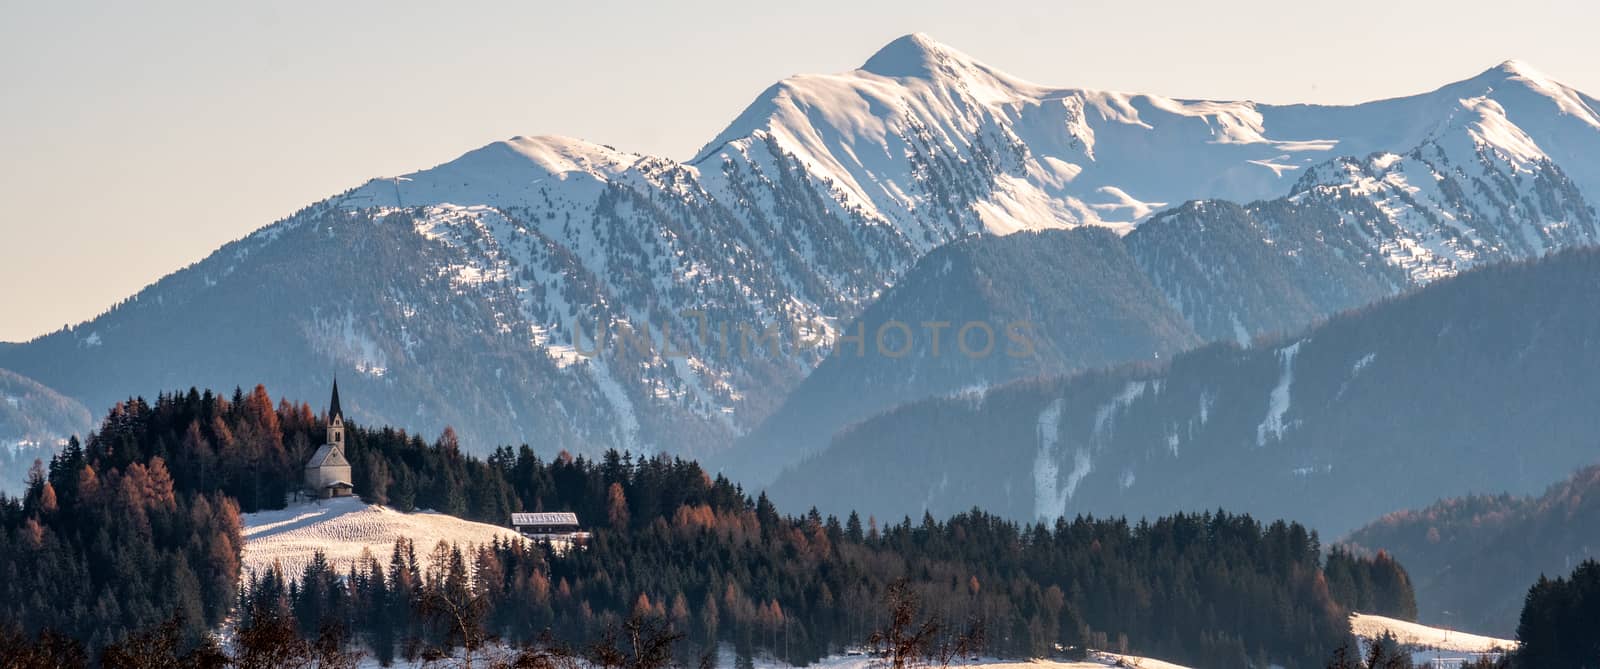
x=333, y=404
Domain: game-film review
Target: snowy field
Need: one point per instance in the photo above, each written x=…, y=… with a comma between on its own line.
x=1441, y=646
x=1099, y=661
x=341, y=528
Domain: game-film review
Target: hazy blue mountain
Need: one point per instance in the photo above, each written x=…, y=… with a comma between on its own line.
x=981, y=311
x=1484, y=381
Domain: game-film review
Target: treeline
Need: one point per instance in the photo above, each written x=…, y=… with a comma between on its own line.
x=673, y=544
x=1205, y=589
x=1560, y=626
x=1378, y=585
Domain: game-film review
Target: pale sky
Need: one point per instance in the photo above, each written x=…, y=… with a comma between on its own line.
x=135, y=138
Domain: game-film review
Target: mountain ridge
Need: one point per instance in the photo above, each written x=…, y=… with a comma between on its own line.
x=508, y=261
x=1478, y=380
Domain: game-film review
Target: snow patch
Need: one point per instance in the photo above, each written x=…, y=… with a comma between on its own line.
x=1051, y=494
x=1278, y=401
x=1103, y=416
x=627, y=421
x=1047, y=501
x=1240, y=334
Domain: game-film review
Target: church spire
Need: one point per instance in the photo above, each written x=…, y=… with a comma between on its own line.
x=335, y=419
x=333, y=404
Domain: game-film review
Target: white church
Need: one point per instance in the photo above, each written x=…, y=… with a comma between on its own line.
x=328, y=471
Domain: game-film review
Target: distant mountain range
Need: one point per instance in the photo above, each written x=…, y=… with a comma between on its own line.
x=1484, y=381
x=473, y=293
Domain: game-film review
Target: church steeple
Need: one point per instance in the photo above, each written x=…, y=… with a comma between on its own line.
x=333, y=404
x=335, y=419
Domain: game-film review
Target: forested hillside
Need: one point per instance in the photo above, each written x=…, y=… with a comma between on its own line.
x=1481, y=382
x=1472, y=558
x=979, y=312
x=671, y=544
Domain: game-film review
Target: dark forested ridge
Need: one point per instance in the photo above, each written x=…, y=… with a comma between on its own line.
x=1485, y=381
x=1473, y=557
x=670, y=543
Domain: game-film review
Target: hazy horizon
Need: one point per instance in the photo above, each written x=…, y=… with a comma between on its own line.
x=140, y=139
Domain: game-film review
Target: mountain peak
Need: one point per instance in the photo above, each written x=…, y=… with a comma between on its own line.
x=1515, y=68
x=913, y=55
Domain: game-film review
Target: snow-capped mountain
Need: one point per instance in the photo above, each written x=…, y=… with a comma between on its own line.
x=574, y=295
x=1476, y=189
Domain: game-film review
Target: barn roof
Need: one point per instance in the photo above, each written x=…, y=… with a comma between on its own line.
x=561, y=518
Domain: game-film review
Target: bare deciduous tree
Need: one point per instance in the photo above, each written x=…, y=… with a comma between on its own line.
x=906, y=643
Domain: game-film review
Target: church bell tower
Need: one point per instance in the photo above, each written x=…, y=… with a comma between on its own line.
x=335, y=419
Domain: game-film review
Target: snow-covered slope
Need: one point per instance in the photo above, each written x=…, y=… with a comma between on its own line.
x=1097, y=660
x=1478, y=189
x=344, y=527
x=1436, y=645
x=501, y=268
x=1422, y=637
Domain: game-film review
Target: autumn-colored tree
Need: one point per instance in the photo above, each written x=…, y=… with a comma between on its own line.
x=47, y=499
x=448, y=441
x=617, y=507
